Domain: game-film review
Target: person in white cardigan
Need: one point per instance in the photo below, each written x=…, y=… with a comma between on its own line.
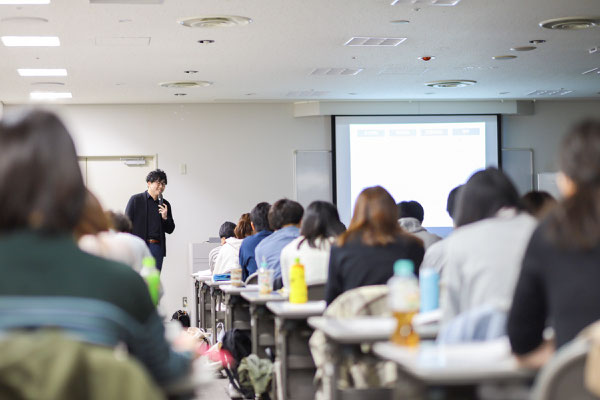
x=320, y=226
x=229, y=255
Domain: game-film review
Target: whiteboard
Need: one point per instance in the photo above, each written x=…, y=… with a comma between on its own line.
x=312, y=176
x=518, y=165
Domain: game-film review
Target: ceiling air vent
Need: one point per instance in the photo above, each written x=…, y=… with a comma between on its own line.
x=453, y=83
x=215, y=21
x=336, y=71
x=374, y=41
x=426, y=2
x=185, y=84
x=550, y=92
x=571, y=23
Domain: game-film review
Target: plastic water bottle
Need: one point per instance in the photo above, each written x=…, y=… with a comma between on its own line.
x=152, y=278
x=429, y=284
x=264, y=278
x=298, y=289
x=404, y=302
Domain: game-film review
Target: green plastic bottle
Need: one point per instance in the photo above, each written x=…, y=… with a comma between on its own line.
x=152, y=278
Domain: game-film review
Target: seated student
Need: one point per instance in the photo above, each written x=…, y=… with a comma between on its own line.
x=434, y=255
x=225, y=231
x=559, y=278
x=229, y=255
x=320, y=226
x=260, y=226
x=96, y=236
x=483, y=255
x=410, y=214
x=284, y=218
x=38, y=253
x=366, y=252
x=538, y=203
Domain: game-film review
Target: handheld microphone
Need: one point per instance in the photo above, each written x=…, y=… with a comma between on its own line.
x=160, y=200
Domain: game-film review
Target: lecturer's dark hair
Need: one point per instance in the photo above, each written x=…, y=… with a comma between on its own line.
x=321, y=220
x=575, y=222
x=259, y=216
x=485, y=193
x=42, y=183
x=157, y=175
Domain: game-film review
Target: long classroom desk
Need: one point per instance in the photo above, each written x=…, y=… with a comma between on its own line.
x=237, y=310
x=459, y=365
x=215, y=302
x=261, y=320
x=291, y=342
x=202, y=294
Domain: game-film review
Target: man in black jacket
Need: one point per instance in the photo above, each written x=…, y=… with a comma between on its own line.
x=151, y=215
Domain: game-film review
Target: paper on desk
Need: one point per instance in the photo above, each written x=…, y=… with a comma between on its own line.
x=471, y=353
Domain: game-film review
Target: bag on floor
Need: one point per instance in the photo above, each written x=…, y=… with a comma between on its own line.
x=183, y=317
x=236, y=343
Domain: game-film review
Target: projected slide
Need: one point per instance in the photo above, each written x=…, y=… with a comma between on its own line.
x=419, y=161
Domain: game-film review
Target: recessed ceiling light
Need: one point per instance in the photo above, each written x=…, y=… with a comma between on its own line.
x=352, y=94
x=206, y=41
x=523, y=48
x=400, y=21
x=216, y=21
x=450, y=83
x=190, y=71
x=505, y=57
x=537, y=41
x=571, y=23
x=50, y=95
x=180, y=94
x=250, y=94
x=47, y=84
x=504, y=93
x=373, y=41
x=23, y=2
x=29, y=41
x=427, y=58
x=42, y=71
x=24, y=20
x=185, y=84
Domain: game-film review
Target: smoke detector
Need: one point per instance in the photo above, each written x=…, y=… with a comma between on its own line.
x=185, y=84
x=215, y=21
x=571, y=23
x=452, y=83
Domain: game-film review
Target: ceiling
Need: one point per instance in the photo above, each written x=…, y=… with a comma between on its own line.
x=272, y=58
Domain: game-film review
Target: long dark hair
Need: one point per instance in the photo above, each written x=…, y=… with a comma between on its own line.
x=375, y=219
x=485, y=193
x=321, y=220
x=42, y=183
x=575, y=222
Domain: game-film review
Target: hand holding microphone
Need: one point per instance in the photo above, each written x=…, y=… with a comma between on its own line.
x=162, y=207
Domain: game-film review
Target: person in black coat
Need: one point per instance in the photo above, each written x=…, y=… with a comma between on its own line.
x=151, y=215
x=366, y=252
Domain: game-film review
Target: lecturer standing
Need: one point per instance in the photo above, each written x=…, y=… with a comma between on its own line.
x=151, y=215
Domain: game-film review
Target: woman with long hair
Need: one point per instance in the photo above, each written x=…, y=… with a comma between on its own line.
x=482, y=257
x=366, y=252
x=559, y=279
x=320, y=226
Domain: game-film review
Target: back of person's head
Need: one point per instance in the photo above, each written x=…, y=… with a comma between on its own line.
x=321, y=220
x=227, y=230
x=39, y=173
x=538, y=203
x=259, y=216
x=575, y=222
x=243, y=228
x=93, y=218
x=485, y=193
x=284, y=212
x=119, y=221
x=157, y=175
x=375, y=219
x=451, y=201
x=411, y=209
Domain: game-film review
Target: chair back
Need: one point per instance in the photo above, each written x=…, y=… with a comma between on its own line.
x=563, y=376
x=252, y=279
x=316, y=292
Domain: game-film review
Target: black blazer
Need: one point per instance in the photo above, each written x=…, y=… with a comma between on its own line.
x=137, y=211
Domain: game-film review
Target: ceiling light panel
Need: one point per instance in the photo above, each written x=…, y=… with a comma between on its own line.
x=23, y=2
x=42, y=71
x=571, y=23
x=592, y=71
x=30, y=41
x=374, y=41
x=50, y=95
x=336, y=71
x=426, y=2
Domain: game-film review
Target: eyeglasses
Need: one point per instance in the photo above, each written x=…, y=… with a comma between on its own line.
x=160, y=183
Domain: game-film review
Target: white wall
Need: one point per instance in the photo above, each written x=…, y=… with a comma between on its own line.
x=236, y=154
x=544, y=130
